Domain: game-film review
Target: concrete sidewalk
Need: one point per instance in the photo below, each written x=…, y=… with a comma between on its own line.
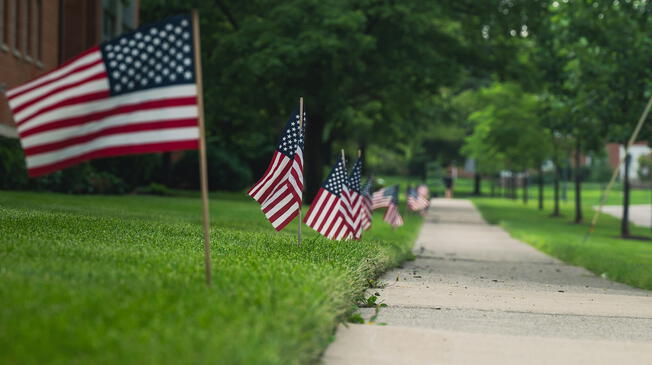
x=475, y=295
x=639, y=214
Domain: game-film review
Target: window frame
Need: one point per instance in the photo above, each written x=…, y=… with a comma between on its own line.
x=15, y=20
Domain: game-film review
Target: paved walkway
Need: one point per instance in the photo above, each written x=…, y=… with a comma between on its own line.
x=475, y=295
x=639, y=214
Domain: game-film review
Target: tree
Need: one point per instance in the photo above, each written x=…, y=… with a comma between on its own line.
x=507, y=133
x=363, y=67
x=615, y=69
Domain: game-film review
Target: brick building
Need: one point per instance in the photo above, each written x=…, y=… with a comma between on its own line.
x=36, y=36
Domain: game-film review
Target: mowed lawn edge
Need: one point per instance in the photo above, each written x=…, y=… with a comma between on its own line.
x=605, y=254
x=119, y=279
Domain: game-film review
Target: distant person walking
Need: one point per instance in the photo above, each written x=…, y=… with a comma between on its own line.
x=448, y=184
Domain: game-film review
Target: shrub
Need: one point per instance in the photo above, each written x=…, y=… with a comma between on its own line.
x=225, y=170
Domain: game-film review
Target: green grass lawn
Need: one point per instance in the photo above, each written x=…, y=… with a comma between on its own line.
x=627, y=261
x=119, y=279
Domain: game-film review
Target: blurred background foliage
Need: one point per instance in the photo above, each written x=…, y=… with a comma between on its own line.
x=509, y=83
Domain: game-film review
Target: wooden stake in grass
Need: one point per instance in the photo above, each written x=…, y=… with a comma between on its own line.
x=301, y=197
x=605, y=193
x=203, y=170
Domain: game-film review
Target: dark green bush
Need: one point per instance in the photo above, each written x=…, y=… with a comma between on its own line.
x=225, y=171
x=154, y=189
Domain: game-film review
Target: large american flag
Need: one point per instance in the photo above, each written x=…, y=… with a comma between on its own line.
x=279, y=191
x=382, y=198
x=392, y=215
x=352, y=200
x=326, y=214
x=366, y=204
x=133, y=94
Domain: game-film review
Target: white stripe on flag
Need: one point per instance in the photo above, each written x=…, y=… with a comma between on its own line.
x=87, y=88
x=153, y=115
x=89, y=58
x=135, y=98
x=126, y=139
x=38, y=92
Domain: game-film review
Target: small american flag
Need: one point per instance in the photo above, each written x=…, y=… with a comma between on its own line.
x=415, y=201
x=382, y=198
x=366, y=205
x=326, y=214
x=392, y=215
x=133, y=94
x=353, y=200
x=279, y=191
x=424, y=195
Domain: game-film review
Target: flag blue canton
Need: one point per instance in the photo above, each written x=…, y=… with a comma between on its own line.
x=161, y=54
x=412, y=192
x=292, y=136
x=366, y=189
x=336, y=178
x=394, y=193
x=354, y=179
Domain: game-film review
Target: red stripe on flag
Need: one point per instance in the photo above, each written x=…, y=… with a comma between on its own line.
x=64, y=65
x=115, y=151
x=98, y=76
x=109, y=131
x=276, y=159
x=98, y=95
x=123, y=109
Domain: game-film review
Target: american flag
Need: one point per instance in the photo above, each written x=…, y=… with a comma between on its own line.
x=352, y=200
x=279, y=191
x=326, y=214
x=415, y=201
x=382, y=198
x=133, y=94
x=366, y=205
x=392, y=215
x=424, y=195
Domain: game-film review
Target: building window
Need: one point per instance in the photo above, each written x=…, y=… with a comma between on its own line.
x=109, y=19
x=15, y=20
x=27, y=29
x=128, y=17
x=39, y=32
x=3, y=25
x=118, y=16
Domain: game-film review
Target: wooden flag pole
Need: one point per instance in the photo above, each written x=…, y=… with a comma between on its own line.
x=343, y=160
x=203, y=170
x=300, y=126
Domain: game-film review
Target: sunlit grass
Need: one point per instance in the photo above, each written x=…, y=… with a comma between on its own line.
x=119, y=279
x=627, y=261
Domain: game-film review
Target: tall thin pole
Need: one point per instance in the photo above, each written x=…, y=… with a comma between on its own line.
x=301, y=200
x=203, y=170
x=343, y=160
x=605, y=193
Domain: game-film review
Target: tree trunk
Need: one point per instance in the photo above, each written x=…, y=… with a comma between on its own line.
x=477, y=184
x=578, y=183
x=624, y=224
x=493, y=187
x=314, y=161
x=540, y=187
x=514, y=186
x=525, y=186
x=555, y=212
